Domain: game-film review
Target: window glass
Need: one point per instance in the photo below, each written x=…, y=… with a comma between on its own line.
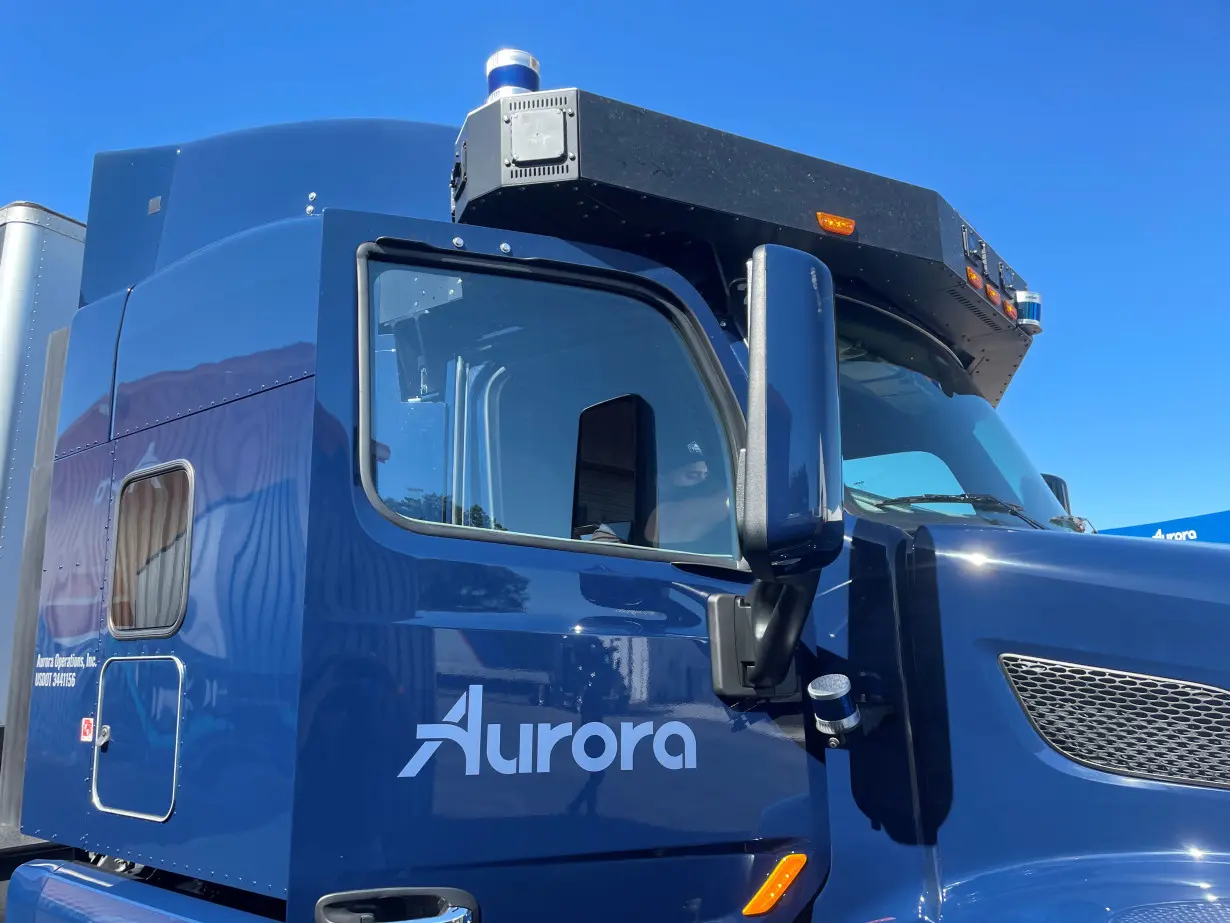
x=544, y=409
x=904, y=474
x=150, y=581
x=913, y=423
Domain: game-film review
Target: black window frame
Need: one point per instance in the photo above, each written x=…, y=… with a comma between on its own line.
x=662, y=299
x=138, y=634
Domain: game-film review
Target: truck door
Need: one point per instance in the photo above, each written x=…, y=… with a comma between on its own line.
x=507, y=691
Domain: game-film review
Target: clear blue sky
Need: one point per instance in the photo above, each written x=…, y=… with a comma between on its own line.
x=1089, y=141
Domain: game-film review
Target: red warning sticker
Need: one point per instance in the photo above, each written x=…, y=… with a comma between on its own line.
x=87, y=730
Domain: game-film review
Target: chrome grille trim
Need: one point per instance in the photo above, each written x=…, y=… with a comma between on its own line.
x=1129, y=724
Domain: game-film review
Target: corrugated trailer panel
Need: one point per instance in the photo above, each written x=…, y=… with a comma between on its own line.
x=41, y=256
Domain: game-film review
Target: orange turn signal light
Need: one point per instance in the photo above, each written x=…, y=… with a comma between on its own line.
x=974, y=278
x=782, y=876
x=993, y=294
x=836, y=224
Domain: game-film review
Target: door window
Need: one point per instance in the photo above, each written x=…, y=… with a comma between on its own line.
x=543, y=409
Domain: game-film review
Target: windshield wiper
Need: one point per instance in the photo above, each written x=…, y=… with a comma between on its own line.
x=974, y=500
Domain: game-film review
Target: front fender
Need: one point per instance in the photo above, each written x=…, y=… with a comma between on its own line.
x=1183, y=887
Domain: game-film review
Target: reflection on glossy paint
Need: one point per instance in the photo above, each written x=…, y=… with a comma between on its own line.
x=70, y=871
x=977, y=559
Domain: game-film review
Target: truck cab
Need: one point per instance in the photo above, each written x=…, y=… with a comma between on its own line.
x=584, y=512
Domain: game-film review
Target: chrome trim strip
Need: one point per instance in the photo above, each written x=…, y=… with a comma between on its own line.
x=98, y=724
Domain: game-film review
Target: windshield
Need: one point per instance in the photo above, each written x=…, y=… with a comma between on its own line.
x=913, y=425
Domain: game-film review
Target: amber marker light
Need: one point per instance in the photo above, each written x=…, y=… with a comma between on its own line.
x=782, y=876
x=836, y=224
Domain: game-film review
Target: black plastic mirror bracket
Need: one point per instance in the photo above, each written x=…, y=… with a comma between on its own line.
x=753, y=638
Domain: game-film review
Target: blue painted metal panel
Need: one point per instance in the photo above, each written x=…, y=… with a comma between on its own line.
x=1004, y=827
x=59, y=892
x=234, y=181
x=217, y=187
x=89, y=371
x=1211, y=527
x=239, y=643
x=135, y=770
x=1146, y=607
x=1097, y=889
x=399, y=627
x=124, y=235
x=56, y=799
x=883, y=862
x=224, y=323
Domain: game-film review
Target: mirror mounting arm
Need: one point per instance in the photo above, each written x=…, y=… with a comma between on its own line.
x=753, y=637
x=779, y=611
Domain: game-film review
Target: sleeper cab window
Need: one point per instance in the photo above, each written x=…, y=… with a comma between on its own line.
x=153, y=536
x=541, y=408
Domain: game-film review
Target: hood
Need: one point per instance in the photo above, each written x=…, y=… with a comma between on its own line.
x=1070, y=697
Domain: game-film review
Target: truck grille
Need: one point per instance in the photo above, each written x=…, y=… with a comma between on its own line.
x=1131, y=724
x=1176, y=912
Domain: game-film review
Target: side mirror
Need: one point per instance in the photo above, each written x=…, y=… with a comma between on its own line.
x=1059, y=487
x=616, y=485
x=791, y=486
x=790, y=483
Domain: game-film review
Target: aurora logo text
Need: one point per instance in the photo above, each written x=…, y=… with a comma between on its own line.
x=1184, y=535
x=673, y=744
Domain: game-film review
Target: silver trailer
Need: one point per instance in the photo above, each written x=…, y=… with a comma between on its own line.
x=41, y=254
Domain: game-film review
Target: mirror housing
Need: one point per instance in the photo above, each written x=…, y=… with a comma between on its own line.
x=1059, y=487
x=791, y=482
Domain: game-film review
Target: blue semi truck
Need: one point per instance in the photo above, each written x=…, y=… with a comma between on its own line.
x=584, y=514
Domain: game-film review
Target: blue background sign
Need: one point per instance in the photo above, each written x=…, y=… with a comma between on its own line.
x=1211, y=527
